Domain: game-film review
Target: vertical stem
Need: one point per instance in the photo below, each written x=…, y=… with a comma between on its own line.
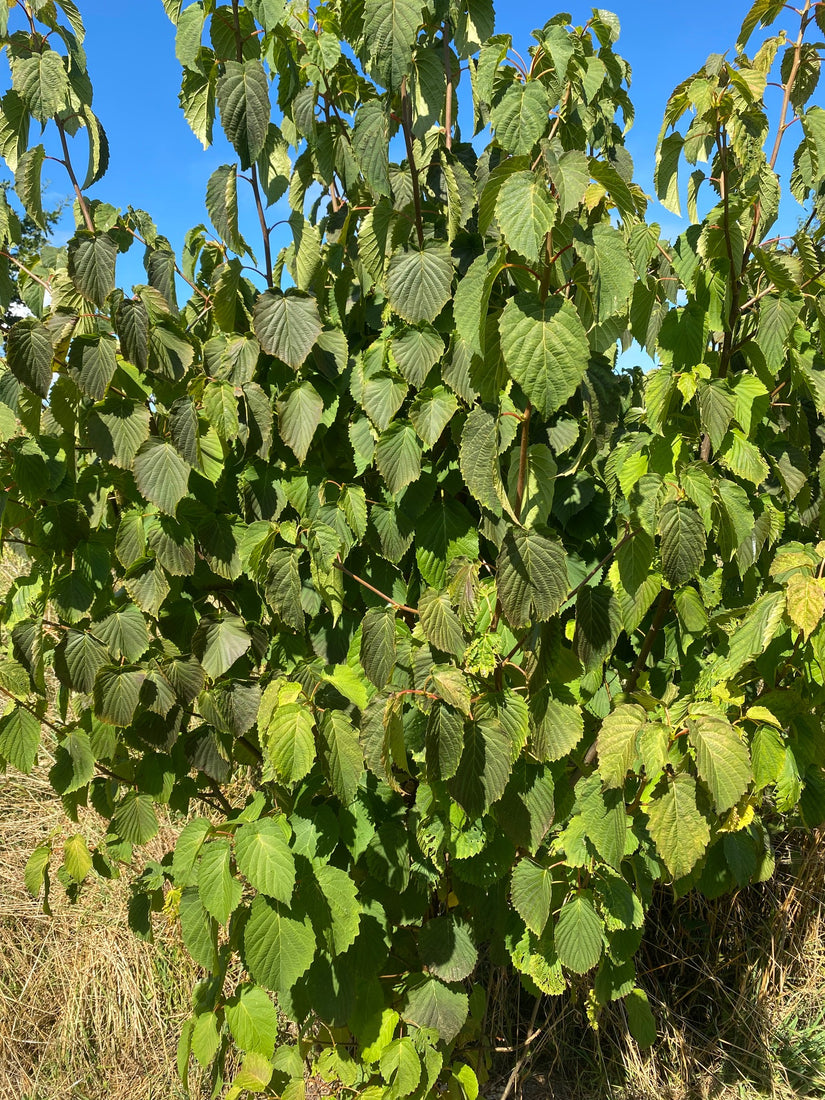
x=448, y=68
x=406, y=125
x=259, y=206
x=650, y=638
x=67, y=161
x=522, y=462
x=783, y=114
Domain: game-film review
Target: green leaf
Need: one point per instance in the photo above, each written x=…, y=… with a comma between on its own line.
x=556, y=727
x=604, y=817
x=531, y=576
x=287, y=325
x=616, y=742
x=78, y=658
x=124, y=632
x=545, y=349
x=243, y=99
x=134, y=819
x=444, y=741
x=29, y=353
x=20, y=738
x=116, y=694
x=419, y=281
x=680, y=832
x=716, y=405
x=579, y=934
x=478, y=459
x=370, y=138
x=525, y=214
x=430, y=1003
x=219, y=642
x=344, y=759
x=132, y=323
x=378, y=644
x=93, y=362
x=28, y=185
x=390, y=29
x=42, y=83
x=37, y=866
x=220, y=892
x=253, y=1020
x=278, y=947
x=401, y=1067
x=74, y=763
x=681, y=542
x=431, y=412
x=445, y=532
x=222, y=206
x=221, y=406
x=447, y=949
x=440, y=623
x=299, y=413
x=484, y=769
x=205, y=1038
x=161, y=474
x=288, y=742
x=416, y=351
x=283, y=590
x=187, y=850
x=91, y=265
x=521, y=117
x=805, y=600
x=640, y=1019
x=531, y=892
x=398, y=456
x=722, y=759
x=77, y=858
x=598, y=625
x=265, y=860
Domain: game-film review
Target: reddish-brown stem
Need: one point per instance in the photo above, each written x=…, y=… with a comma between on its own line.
x=67, y=163
x=377, y=591
x=448, y=68
x=406, y=126
x=522, y=462
x=25, y=270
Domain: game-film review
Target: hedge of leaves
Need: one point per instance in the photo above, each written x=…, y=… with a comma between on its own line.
x=496, y=634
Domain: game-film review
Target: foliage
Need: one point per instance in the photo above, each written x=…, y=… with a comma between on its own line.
x=500, y=635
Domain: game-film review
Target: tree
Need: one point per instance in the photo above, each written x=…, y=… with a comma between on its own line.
x=496, y=635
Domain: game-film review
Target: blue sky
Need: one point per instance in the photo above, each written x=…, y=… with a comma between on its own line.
x=157, y=164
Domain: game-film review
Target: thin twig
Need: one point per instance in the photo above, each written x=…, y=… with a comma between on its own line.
x=399, y=606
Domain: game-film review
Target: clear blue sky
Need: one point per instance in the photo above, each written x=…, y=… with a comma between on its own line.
x=158, y=164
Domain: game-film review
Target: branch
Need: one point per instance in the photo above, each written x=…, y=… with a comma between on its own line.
x=388, y=599
x=650, y=638
x=406, y=126
x=783, y=114
x=522, y=462
x=448, y=68
x=25, y=270
x=67, y=163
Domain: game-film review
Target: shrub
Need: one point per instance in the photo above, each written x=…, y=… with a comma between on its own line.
x=497, y=634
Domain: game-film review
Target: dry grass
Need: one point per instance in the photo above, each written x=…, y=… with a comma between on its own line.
x=86, y=1009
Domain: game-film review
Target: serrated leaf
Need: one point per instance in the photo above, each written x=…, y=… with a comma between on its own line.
x=447, y=949
x=680, y=832
x=419, y=281
x=681, y=543
x=616, y=742
x=278, y=946
x=556, y=727
x=77, y=858
x=722, y=759
x=545, y=348
x=29, y=353
x=579, y=934
x=134, y=819
x=344, y=759
x=219, y=642
x=440, y=623
x=520, y=117
x=390, y=28
x=531, y=576
x=525, y=213
x=378, y=645
x=161, y=474
x=219, y=890
x=91, y=265
x=253, y=1020
x=398, y=455
x=478, y=459
x=124, y=632
x=416, y=351
x=36, y=869
x=93, y=362
x=265, y=860
x=484, y=768
x=430, y=1003
x=531, y=892
x=299, y=413
x=805, y=600
x=288, y=742
x=598, y=625
x=243, y=98
x=287, y=325
x=116, y=694
x=20, y=738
